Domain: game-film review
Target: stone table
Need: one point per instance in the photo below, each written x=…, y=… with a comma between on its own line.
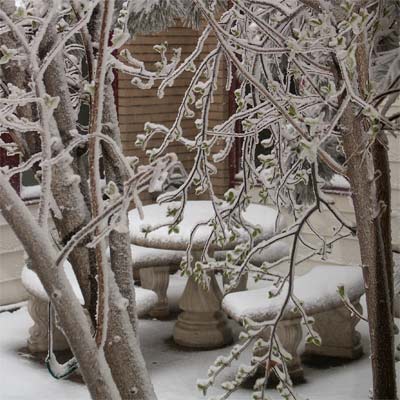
x=202, y=324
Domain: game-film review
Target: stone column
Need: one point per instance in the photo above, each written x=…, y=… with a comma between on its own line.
x=202, y=324
x=342, y=341
x=157, y=279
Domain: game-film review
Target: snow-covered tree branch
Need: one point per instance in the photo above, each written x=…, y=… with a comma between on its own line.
x=315, y=81
x=310, y=76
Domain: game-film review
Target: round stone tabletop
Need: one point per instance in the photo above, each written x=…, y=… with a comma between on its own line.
x=197, y=211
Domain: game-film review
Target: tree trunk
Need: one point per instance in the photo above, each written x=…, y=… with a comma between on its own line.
x=76, y=325
x=373, y=230
x=121, y=259
x=122, y=350
x=119, y=371
x=71, y=200
x=383, y=186
x=374, y=256
x=128, y=366
x=66, y=191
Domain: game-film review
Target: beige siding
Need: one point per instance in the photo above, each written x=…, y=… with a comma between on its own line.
x=12, y=258
x=137, y=106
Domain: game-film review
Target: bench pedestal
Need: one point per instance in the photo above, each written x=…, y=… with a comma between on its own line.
x=341, y=342
x=38, y=334
x=290, y=334
x=157, y=280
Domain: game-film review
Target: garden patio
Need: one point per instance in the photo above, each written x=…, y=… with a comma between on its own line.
x=173, y=369
x=199, y=199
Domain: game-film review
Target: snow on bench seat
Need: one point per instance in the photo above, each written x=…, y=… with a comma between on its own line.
x=145, y=299
x=272, y=253
x=147, y=257
x=317, y=289
x=34, y=287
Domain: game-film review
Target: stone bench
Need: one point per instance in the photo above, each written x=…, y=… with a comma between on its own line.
x=317, y=290
x=38, y=308
x=155, y=265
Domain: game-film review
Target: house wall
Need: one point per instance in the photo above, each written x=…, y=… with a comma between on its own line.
x=137, y=106
x=12, y=258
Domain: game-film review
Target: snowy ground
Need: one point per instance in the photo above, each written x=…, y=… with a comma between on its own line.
x=173, y=370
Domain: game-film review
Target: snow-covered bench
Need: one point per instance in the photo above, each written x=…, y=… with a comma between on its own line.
x=318, y=290
x=155, y=266
x=38, y=308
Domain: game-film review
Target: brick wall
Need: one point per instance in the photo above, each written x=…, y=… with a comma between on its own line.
x=136, y=106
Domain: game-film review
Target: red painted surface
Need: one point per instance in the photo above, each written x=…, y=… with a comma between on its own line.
x=115, y=85
x=115, y=73
x=11, y=161
x=235, y=154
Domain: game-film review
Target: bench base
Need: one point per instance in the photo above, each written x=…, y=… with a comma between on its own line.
x=38, y=333
x=157, y=280
x=341, y=342
x=290, y=335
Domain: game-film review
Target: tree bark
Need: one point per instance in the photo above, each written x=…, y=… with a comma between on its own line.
x=374, y=258
x=122, y=350
x=373, y=230
x=120, y=249
x=123, y=355
x=65, y=191
x=129, y=366
x=383, y=186
x=77, y=328
x=71, y=198
x=119, y=370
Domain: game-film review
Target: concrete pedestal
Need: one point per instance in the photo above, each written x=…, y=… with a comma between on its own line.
x=339, y=337
x=157, y=280
x=202, y=324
